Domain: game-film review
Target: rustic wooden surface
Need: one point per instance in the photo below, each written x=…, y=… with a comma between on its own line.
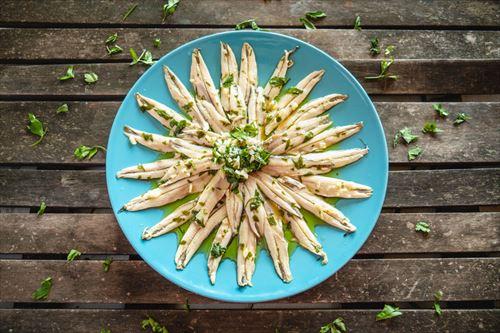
x=446, y=52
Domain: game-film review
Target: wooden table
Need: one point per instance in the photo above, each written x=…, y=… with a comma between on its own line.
x=446, y=51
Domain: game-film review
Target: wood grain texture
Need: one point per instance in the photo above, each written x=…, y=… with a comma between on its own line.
x=257, y=321
x=115, y=79
x=392, y=280
x=88, y=123
x=284, y=12
x=88, y=44
x=394, y=233
x=426, y=188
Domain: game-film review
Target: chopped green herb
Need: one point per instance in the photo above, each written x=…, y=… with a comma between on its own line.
x=430, y=127
x=63, y=108
x=437, y=307
x=442, y=112
x=169, y=8
x=294, y=91
x=316, y=15
x=413, y=153
x=129, y=11
x=277, y=81
x=255, y=201
x=69, y=74
x=112, y=38
x=147, y=137
x=357, y=23
x=106, y=264
x=217, y=250
x=389, y=49
x=336, y=326
x=247, y=24
x=272, y=220
x=42, y=208
x=307, y=23
x=177, y=126
x=299, y=163
x=146, y=57
x=84, y=152
x=228, y=81
x=114, y=49
x=35, y=126
x=388, y=312
x=90, y=77
x=406, y=135
x=43, y=292
x=153, y=325
x=423, y=227
x=157, y=42
x=242, y=133
x=384, y=71
x=72, y=255
x=461, y=117
x=309, y=135
x=374, y=46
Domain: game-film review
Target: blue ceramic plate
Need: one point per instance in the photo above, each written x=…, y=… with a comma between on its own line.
x=307, y=271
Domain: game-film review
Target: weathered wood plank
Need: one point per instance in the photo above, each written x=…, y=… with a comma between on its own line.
x=88, y=44
x=89, y=122
x=115, y=79
x=256, y=321
x=284, y=12
x=429, y=188
x=394, y=233
x=403, y=280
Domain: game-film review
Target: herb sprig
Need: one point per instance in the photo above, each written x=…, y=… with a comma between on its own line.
x=85, y=152
x=388, y=312
x=72, y=255
x=43, y=292
x=307, y=21
x=36, y=127
x=69, y=74
x=169, y=8
x=423, y=227
x=336, y=326
x=153, y=325
x=42, y=208
x=248, y=24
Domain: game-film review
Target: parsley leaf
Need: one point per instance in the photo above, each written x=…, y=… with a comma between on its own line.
x=241, y=133
x=389, y=49
x=146, y=57
x=43, y=292
x=112, y=38
x=294, y=91
x=169, y=8
x=114, y=49
x=84, y=152
x=384, y=71
x=157, y=42
x=442, y=112
x=388, y=312
x=90, y=77
x=316, y=15
x=72, y=255
x=406, y=135
x=42, y=208
x=277, y=81
x=299, y=163
x=437, y=297
x=413, y=153
x=217, y=250
x=106, y=264
x=228, y=81
x=374, y=46
x=430, y=127
x=153, y=325
x=129, y=11
x=336, y=326
x=35, y=126
x=247, y=24
x=461, y=117
x=423, y=227
x=307, y=24
x=69, y=74
x=255, y=201
x=62, y=108
x=357, y=23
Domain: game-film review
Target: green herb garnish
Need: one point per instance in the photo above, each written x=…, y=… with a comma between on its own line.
x=437, y=297
x=272, y=220
x=114, y=49
x=461, y=117
x=277, y=81
x=112, y=38
x=84, y=152
x=72, y=255
x=43, y=292
x=157, y=42
x=255, y=201
x=336, y=326
x=430, y=127
x=357, y=23
x=177, y=126
x=69, y=74
x=299, y=163
x=35, y=126
x=90, y=77
x=316, y=15
x=294, y=91
x=442, y=112
x=413, y=153
x=247, y=24
x=106, y=264
x=42, y=208
x=228, y=81
x=153, y=325
x=374, y=46
x=388, y=312
x=217, y=250
x=63, y=108
x=129, y=11
x=406, y=135
x=169, y=8
x=384, y=71
x=241, y=133
x=307, y=24
x=146, y=57
x=423, y=227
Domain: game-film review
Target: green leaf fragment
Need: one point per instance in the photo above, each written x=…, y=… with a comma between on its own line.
x=388, y=312
x=42, y=208
x=153, y=325
x=35, y=126
x=441, y=111
x=129, y=11
x=62, y=108
x=357, y=23
x=247, y=24
x=72, y=255
x=461, y=117
x=43, y=292
x=69, y=74
x=413, y=153
x=85, y=152
x=307, y=23
x=423, y=227
x=106, y=264
x=90, y=77
x=169, y=8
